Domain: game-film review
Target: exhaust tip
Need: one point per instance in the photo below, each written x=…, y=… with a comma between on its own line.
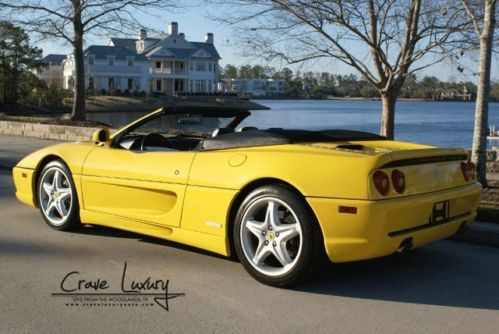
x=405, y=246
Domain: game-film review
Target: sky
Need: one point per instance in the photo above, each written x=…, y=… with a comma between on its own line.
x=194, y=22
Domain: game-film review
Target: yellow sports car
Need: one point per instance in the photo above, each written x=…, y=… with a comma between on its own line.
x=279, y=199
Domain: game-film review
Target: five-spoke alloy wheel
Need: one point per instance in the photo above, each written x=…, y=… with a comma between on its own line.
x=57, y=196
x=276, y=236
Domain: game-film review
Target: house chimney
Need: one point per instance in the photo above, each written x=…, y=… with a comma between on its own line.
x=208, y=38
x=173, y=28
x=182, y=35
x=142, y=34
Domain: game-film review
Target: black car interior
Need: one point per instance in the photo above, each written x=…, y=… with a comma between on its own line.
x=228, y=137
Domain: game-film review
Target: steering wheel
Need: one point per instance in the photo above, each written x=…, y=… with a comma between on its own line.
x=153, y=139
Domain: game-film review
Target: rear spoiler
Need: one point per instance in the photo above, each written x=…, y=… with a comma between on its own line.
x=425, y=160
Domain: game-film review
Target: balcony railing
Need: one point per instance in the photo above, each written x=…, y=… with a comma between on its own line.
x=161, y=70
x=168, y=71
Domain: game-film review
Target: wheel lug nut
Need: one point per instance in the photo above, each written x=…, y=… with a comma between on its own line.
x=270, y=227
x=264, y=233
x=266, y=242
x=277, y=234
x=274, y=244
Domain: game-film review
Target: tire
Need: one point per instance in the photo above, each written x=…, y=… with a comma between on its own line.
x=277, y=237
x=57, y=198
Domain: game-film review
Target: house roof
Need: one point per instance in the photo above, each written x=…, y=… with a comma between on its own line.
x=129, y=43
x=119, y=52
x=54, y=59
x=210, y=48
x=124, y=42
x=185, y=52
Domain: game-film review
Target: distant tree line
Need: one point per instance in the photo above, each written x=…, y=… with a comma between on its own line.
x=309, y=84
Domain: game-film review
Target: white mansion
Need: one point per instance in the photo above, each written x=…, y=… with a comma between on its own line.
x=168, y=64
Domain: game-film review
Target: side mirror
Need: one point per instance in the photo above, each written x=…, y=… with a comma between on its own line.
x=101, y=136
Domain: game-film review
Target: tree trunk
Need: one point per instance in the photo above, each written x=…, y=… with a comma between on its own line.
x=479, y=148
x=388, y=115
x=79, y=87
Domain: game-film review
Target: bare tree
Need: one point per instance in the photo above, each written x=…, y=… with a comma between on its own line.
x=384, y=40
x=483, y=16
x=72, y=20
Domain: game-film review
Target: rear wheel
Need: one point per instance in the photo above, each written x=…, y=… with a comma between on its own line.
x=57, y=197
x=276, y=236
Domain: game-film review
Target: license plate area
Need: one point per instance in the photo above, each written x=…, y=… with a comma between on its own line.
x=440, y=212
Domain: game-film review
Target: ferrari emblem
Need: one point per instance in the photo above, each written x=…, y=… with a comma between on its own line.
x=270, y=236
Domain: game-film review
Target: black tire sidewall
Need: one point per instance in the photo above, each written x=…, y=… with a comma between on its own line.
x=73, y=220
x=311, y=237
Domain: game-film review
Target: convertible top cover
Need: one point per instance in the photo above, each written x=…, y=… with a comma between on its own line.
x=279, y=136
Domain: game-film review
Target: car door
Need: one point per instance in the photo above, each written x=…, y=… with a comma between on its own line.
x=138, y=185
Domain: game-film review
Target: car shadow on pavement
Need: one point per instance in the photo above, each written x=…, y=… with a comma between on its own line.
x=445, y=274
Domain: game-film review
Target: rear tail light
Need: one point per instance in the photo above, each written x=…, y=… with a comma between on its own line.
x=398, y=181
x=468, y=169
x=381, y=182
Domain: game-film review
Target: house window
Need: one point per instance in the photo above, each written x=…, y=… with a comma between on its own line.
x=130, y=61
x=110, y=83
x=110, y=61
x=191, y=85
x=90, y=60
x=130, y=84
x=200, y=86
x=201, y=67
x=210, y=67
x=191, y=66
x=158, y=85
x=91, y=83
x=158, y=64
x=214, y=67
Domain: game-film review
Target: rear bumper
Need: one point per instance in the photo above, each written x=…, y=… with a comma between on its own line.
x=379, y=227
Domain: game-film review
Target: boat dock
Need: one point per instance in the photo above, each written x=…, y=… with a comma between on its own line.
x=493, y=133
x=493, y=136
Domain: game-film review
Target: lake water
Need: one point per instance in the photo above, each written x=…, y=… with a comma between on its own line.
x=447, y=124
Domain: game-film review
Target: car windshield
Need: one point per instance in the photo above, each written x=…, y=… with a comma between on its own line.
x=182, y=124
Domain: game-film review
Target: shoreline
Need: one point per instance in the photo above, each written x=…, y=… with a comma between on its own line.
x=339, y=98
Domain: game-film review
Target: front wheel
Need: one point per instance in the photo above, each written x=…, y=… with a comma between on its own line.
x=57, y=197
x=276, y=236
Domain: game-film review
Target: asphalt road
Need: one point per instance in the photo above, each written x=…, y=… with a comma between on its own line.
x=449, y=287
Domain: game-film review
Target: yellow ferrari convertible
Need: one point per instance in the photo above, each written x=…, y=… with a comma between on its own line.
x=278, y=199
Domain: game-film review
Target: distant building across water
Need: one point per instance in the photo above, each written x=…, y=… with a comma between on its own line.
x=253, y=87
x=167, y=64
x=456, y=94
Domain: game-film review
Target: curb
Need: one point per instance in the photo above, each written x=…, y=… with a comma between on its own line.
x=488, y=214
x=46, y=131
